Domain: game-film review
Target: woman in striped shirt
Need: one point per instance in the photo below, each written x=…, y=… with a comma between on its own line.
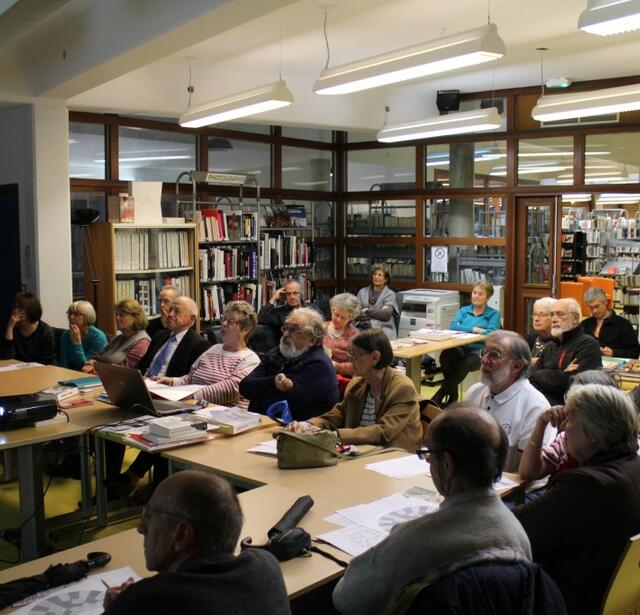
x=221, y=368
x=380, y=405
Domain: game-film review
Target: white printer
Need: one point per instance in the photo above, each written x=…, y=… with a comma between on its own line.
x=427, y=308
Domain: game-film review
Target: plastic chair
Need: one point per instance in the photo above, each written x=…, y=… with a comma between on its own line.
x=623, y=595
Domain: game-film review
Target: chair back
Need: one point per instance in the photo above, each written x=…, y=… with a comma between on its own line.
x=623, y=594
x=492, y=588
x=428, y=411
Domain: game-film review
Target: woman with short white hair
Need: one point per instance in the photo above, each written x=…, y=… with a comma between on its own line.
x=579, y=527
x=339, y=331
x=83, y=340
x=541, y=322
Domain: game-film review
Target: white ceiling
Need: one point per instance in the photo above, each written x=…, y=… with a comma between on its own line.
x=235, y=46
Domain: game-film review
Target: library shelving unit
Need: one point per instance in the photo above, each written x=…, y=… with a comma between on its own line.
x=135, y=261
x=227, y=235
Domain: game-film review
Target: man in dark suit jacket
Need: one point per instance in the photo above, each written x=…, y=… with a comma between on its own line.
x=177, y=361
x=172, y=352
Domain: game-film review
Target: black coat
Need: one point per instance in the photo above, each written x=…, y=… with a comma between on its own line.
x=189, y=349
x=617, y=333
x=548, y=375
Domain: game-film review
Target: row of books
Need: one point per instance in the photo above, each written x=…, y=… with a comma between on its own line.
x=215, y=297
x=228, y=263
x=285, y=251
x=173, y=249
x=143, y=290
x=218, y=225
x=134, y=250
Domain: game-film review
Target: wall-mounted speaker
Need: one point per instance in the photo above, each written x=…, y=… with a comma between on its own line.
x=448, y=100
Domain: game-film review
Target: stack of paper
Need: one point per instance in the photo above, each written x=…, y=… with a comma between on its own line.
x=401, y=467
x=435, y=335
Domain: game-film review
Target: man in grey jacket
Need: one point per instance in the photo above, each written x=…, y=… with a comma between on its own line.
x=466, y=449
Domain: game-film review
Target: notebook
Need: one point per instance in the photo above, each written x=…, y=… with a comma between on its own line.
x=127, y=390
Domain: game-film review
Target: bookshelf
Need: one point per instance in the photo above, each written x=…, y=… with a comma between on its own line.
x=136, y=261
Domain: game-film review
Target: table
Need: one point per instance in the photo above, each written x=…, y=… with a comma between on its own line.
x=26, y=442
x=262, y=508
x=413, y=354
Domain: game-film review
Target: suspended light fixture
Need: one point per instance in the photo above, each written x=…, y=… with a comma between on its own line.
x=605, y=17
x=481, y=120
x=265, y=98
x=445, y=54
x=586, y=104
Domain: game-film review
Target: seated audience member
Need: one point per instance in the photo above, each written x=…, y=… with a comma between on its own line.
x=27, y=338
x=506, y=393
x=191, y=527
x=166, y=296
x=223, y=366
x=82, y=341
x=128, y=348
x=339, y=331
x=457, y=362
x=173, y=350
x=539, y=460
x=541, y=321
x=171, y=353
x=466, y=449
x=380, y=405
x=378, y=305
x=298, y=371
x=574, y=352
x=580, y=525
x=614, y=334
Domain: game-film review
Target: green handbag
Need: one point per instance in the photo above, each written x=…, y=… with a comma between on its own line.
x=307, y=449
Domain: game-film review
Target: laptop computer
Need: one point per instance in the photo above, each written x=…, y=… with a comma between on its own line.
x=127, y=390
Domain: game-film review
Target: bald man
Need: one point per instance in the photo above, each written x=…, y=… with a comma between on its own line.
x=572, y=351
x=191, y=527
x=173, y=351
x=466, y=450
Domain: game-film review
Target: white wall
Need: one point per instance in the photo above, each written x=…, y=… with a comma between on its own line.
x=34, y=154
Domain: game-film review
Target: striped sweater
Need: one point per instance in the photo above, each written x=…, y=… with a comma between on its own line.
x=221, y=371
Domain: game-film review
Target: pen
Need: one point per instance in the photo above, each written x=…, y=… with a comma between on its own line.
x=105, y=584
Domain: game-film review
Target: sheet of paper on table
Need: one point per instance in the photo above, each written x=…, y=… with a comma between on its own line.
x=505, y=483
x=268, y=447
x=80, y=598
x=15, y=366
x=172, y=393
x=365, y=525
x=401, y=467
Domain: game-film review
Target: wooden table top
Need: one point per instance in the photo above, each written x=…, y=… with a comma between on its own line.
x=417, y=350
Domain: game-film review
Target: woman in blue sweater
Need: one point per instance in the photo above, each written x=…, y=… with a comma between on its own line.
x=82, y=341
x=457, y=362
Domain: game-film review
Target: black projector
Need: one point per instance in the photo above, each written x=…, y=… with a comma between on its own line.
x=23, y=410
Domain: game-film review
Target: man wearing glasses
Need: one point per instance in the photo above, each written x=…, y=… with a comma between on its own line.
x=573, y=352
x=191, y=527
x=297, y=371
x=466, y=450
x=506, y=393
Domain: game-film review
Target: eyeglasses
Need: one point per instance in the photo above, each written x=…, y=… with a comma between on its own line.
x=225, y=320
x=149, y=511
x=292, y=292
x=73, y=313
x=291, y=329
x=541, y=315
x=425, y=453
x=357, y=355
x=492, y=355
x=558, y=314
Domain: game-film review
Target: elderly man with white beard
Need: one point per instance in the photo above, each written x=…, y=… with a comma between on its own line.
x=573, y=351
x=506, y=392
x=298, y=371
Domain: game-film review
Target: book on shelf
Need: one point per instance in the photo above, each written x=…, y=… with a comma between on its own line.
x=229, y=262
x=282, y=251
x=147, y=195
x=143, y=290
x=297, y=215
x=216, y=296
x=216, y=225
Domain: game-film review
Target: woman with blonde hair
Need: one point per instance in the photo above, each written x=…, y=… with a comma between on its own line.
x=83, y=340
x=130, y=346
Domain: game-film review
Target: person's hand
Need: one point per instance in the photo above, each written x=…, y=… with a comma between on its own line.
x=74, y=333
x=282, y=383
x=89, y=367
x=555, y=416
x=300, y=426
x=606, y=351
x=478, y=330
x=277, y=296
x=163, y=380
x=534, y=360
x=572, y=367
x=15, y=317
x=113, y=592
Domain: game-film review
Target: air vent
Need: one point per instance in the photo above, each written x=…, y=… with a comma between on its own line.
x=609, y=118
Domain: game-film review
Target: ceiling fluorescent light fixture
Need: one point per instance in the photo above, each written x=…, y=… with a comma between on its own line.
x=586, y=104
x=439, y=56
x=480, y=120
x=265, y=98
x=605, y=17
